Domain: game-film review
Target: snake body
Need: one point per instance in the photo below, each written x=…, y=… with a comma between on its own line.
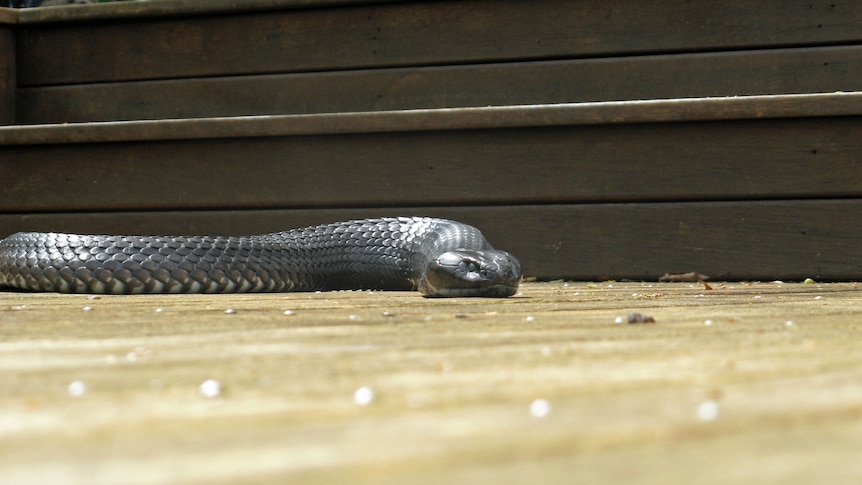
x=436, y=256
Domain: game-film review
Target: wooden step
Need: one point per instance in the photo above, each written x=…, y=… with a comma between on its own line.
x=627, y=189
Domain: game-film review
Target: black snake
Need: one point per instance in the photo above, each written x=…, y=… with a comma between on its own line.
x=436, y=256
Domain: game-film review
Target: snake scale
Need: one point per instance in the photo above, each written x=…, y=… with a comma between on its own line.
x=438, y=257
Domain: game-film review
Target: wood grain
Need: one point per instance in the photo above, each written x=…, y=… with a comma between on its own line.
x=453, y=380
x=787, y=158
x=772, y=71
x=415, y=34
x=8, y=80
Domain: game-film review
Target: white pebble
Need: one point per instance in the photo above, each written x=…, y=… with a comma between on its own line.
x=707, y=411
x=230, y=310
x=788, y=323
x=77, y=388
x=288, y=312
x=159, y=310
x=363, y=396
x=210, y=388
x=540, y=408
x=618, y=320
x=818, y=297
x=707, y=322
x=87, y=308
x=530, y=319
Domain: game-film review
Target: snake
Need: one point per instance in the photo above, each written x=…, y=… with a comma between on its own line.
x=438, y=257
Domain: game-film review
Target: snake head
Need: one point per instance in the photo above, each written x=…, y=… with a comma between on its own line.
x=467, y=272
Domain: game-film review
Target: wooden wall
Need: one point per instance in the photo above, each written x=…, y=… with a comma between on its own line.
x=593, y=140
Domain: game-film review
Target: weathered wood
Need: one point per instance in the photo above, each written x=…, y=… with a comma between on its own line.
x=767, y=392
x=779, y=71
x=171, y=8
x=749, y=240
x=416, y=34
x=7, y=75
x=476, y=118
x=743, y=159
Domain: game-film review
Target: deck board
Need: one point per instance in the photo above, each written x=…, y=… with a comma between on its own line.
x=735, y=73
x=454, y=380
x=413, y=34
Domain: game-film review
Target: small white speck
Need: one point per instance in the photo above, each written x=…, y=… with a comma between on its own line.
x=699, y=295
x=159, y=310
x=577, y=293
x=230, y=310
x=540, y=408
x=756, y=297
x=618, y=320
x=530, y=318
x=818, y=297
x=288, y=312
x=707, y=322
x=428, y=318
x=520, y=293
x=788, y=323
x=635, y=295
x=87, y=308
x=77, y=388
x=19, y=307
x=707, y=411
x=352, y=317
x=210, y=388
x=363, y=396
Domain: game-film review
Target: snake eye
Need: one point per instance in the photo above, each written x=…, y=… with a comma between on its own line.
x=472, y=266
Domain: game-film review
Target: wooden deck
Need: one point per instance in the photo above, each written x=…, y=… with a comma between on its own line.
x=743, y=383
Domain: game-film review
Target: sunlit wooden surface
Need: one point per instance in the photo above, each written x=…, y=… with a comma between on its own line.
x=743, y=383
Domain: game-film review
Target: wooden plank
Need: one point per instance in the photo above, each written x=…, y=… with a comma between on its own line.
x=7, y=75
x=447, y=119
x=781, y=158
x=747, y=399
x=779, y=71
x=416, y=34
x=149, y=9
x=746, y=240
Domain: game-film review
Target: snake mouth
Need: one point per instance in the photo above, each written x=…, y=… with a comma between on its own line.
x=463, y=272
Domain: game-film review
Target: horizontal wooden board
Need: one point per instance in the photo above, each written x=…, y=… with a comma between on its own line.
x=726, y=240
x=811, y=105
x=148, y=9
x=416, y=34
x=743, y=159
x=778, y=71
x=7, y=75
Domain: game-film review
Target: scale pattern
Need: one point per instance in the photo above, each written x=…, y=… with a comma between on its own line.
x=387, y=253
